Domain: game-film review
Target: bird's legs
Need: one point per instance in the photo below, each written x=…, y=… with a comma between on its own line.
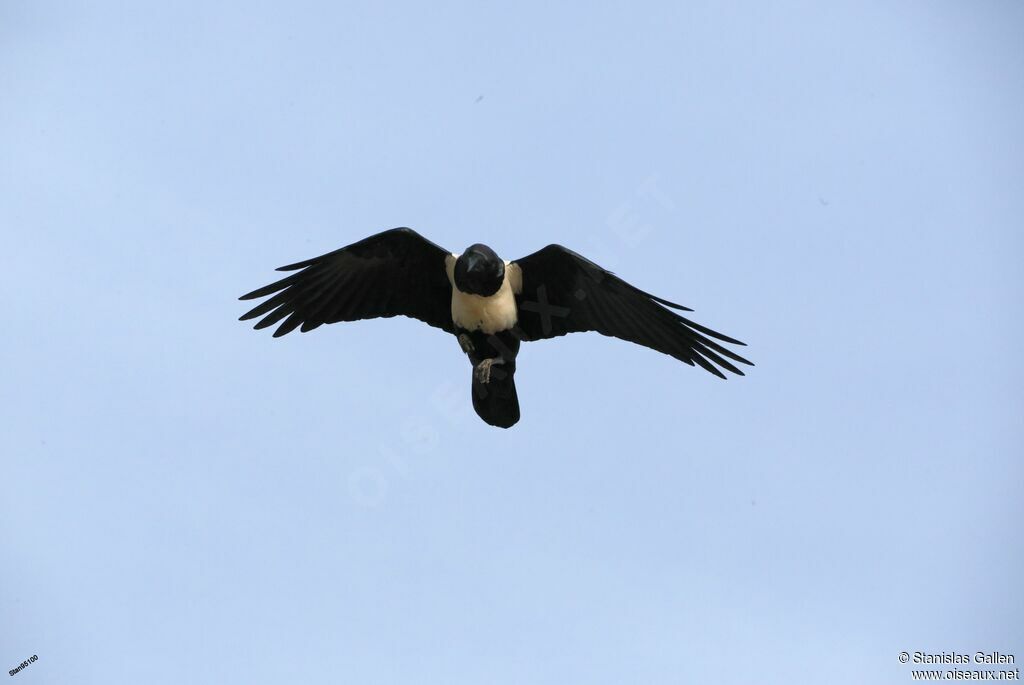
x=482, y=371
x=487, y=350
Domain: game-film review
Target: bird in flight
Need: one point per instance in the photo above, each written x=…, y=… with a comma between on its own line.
x=491, y=306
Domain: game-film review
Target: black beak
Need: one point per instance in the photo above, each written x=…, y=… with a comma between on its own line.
x=476, y=264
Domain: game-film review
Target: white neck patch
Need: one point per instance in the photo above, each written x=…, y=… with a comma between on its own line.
x=490, y=314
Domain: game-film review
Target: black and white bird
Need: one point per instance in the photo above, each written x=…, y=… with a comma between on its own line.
x=490, y=305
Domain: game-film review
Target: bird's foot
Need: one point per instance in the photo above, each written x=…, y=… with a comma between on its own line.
x=482, y=371
x=466, y=344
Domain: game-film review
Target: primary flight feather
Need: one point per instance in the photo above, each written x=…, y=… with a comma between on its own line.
x=490, y=305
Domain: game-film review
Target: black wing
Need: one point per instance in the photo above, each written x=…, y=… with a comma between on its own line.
x=563, y=292
x=397, y=272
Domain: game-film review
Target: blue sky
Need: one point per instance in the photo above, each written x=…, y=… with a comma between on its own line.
x=187, y=499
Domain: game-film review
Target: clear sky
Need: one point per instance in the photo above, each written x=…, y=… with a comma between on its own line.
x=187, y=500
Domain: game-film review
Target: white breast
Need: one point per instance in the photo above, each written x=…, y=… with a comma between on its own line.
x=487, y=314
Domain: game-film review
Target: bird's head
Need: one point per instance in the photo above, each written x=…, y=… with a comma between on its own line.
x=479, y=271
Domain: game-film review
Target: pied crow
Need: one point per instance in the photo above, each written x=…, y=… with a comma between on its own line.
x=489, y=305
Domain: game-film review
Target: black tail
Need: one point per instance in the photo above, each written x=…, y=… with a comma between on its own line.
x=496, y=402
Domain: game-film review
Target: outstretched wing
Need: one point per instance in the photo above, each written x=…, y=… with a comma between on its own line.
x=397, y=272
x=562, y=292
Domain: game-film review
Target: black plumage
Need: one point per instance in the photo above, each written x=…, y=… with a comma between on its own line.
x=394, y=273
x=571, y=294
x=491, y=306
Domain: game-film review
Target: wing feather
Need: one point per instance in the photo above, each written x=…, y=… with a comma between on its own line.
x=394, y=273
x=563, y=292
